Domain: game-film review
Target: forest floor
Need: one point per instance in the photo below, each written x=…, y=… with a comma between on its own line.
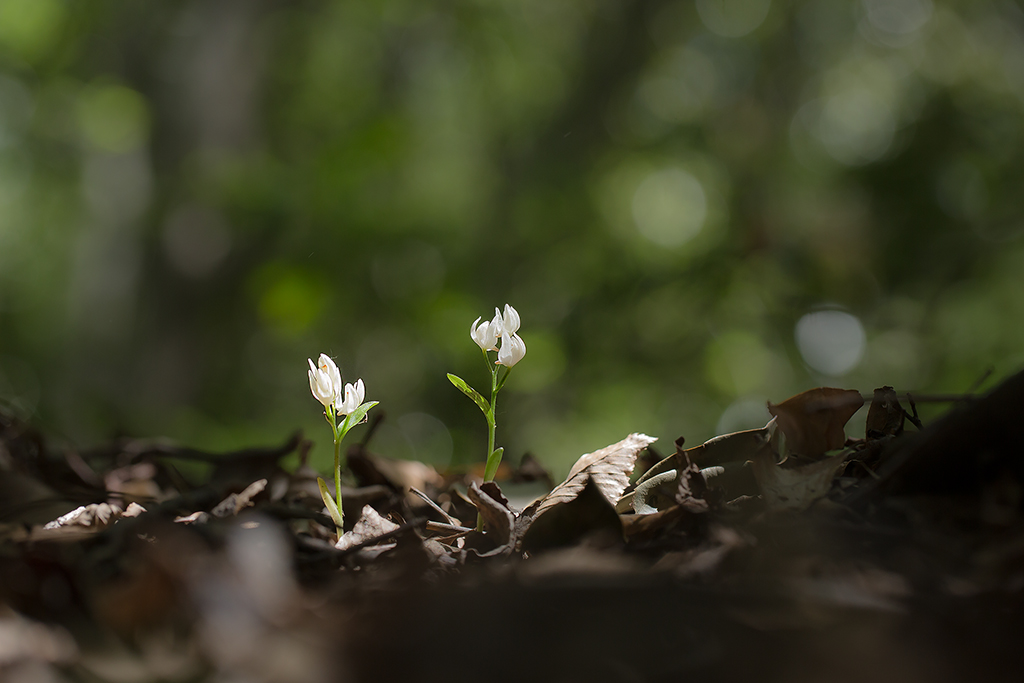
x=788, y=553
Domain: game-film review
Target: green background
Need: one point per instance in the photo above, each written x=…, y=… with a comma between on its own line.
x=695, y=207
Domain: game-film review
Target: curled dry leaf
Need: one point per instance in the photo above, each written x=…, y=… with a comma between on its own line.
x=370, y=526
x=609, y=468
x=813, y=420
x=693, y=490
x=885, y=416
x=794, y=488
x=722, y=455
x=734, y=447
x=498, y=519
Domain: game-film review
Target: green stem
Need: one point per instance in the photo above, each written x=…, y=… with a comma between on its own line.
x=337, y=479
x=490, y=419
x=337, y=462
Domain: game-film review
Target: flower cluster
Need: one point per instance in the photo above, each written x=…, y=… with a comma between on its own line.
x=340, y=400
x=326, y=385
x=504, y=327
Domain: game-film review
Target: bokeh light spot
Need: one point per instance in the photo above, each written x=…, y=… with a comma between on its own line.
x=733, y=18
x=669, y=207
x=831, y=342
x=113, y=118
x=29, y=26
x=856, y=126
x=898, y=16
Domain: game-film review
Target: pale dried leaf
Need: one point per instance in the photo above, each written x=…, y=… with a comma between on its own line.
x=370, y=525
x=195, y=518
x=237, y=502
x=94, y=515
x=609, y=468
x=134, y=510
x=794, y=488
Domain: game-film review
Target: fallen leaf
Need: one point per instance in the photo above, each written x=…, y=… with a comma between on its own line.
x=794, y=488
x=370, y=526
x=498, y=519
x=237, y=502
x=645, y=527
x=692, y=490
x=609, y=468
x=530, y=469
x=656, y=493
x=885, y=416
x=95, y=515
x=199, y=517
x=734, y=447
x=589, y=513
x=813, y=420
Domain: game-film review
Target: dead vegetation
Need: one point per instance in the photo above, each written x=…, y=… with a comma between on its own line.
x=791, y=552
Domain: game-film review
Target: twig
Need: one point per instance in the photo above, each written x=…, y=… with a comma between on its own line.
x=435, y=506
x=928, y=398
x=448, y=528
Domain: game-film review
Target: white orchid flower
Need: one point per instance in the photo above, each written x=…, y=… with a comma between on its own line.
x=485, y=334
x=512, y=350
x=510, y=321
x=328, y=366
x=354, y=395
x=325, y=381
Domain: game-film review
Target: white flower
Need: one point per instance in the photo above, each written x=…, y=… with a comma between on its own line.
x=512, y=350
x=486, y=333
x=325, y=381
x=354, y=394
x=510, y=321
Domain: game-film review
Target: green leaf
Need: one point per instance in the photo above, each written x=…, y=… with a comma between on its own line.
x=461, y=385
x=354, y=418
x=493, y=460
x=332, y=507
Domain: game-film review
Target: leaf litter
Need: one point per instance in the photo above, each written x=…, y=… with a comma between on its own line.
x=792, y=551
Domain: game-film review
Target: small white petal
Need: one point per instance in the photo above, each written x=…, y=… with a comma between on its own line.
x=497, y=323
x=320, y=385
x=510, y=321
x=513, y=348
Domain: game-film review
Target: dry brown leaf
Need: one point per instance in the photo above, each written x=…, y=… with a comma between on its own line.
x=587, y=514
x=813, y=420
x=498, y=519
x=370, y=525
x=885, y=416
x=609, y=468
x=794, y=488
x=726, y=448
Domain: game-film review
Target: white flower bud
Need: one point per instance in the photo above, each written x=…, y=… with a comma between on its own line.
x=512, y=350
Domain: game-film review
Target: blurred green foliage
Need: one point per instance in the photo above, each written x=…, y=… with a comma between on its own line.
x=197, y=195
